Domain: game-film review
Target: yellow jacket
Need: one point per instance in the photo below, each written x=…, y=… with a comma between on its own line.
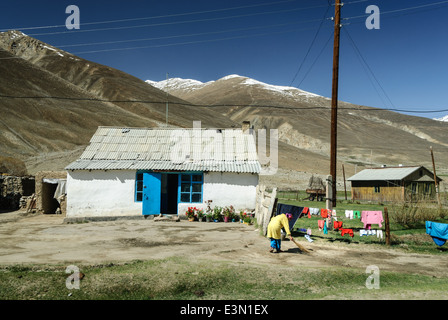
x=275, y=226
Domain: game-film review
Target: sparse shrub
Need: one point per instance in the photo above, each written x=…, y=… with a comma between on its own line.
x=411, y=214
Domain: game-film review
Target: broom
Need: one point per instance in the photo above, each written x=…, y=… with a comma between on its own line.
x=300, y=246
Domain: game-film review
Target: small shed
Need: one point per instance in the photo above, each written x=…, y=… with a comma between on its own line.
x=402, y=183
x=146, y=172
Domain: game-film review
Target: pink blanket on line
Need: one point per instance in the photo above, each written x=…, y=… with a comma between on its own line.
x=372, y=217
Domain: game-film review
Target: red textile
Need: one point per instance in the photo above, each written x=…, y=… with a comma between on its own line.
x=324, y=213
x=337, y=224
x=347, y=231
x=306, y=211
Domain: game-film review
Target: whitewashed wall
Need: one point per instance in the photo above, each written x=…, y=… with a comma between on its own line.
x=112, y=193
x=225, y=189
x=101, y=193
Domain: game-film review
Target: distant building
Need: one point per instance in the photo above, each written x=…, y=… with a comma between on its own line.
x=394, y=184
x=141, y=171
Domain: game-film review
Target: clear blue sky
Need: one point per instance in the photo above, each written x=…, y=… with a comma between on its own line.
x=263, y=39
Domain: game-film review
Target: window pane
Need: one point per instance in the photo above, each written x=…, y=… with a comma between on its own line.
x=196, y=197
x=140, y=176
x=139, y=196
x=186, y=178
x=139, y=185
x=185, y=197
x=197, y=177
x=185, y=187
x=197, y=187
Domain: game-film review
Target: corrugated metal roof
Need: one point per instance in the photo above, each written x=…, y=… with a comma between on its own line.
x=380, y=174
x=224, y=150
x=244, y=167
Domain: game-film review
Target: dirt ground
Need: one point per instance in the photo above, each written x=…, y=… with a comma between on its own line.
x=46, y=239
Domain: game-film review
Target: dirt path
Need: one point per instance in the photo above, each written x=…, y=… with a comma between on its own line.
x=45, y=239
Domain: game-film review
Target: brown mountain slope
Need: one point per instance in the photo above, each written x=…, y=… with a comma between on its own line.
x=32, y=127
x=52, y=102
x=107, y=83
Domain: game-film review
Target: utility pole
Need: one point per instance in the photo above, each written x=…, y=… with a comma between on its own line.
x=435, y=178
x=334, y=98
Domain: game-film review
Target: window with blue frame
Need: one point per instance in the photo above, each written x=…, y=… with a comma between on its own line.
x=191, y=187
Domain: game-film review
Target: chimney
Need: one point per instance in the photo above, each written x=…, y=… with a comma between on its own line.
x=245, y=126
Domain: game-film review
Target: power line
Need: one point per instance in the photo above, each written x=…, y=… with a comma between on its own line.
x=315, y=60
x=218, y=105
x=179, y=22
x=401, y=10
x=189, y=35
x=179, y=43
x=155, y=17
x=367, y=65
x=311, y=45
x=193, y=42
x=186, y=42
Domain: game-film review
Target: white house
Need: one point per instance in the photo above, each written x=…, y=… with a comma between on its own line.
x=141, y=171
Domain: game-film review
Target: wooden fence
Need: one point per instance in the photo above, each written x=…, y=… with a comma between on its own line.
x=265, y=206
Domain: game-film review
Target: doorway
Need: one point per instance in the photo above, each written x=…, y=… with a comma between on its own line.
x=169, y=193
x=49, y=204
x=160, y=193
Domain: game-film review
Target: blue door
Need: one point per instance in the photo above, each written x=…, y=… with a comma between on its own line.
x=152, y=188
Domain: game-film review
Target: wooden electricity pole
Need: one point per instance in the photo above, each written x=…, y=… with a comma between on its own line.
x=435, y=178
x=334, y=98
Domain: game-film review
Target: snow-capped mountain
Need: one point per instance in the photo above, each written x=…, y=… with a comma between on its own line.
x=174, y=84
x=179, y=86
x=445, y=118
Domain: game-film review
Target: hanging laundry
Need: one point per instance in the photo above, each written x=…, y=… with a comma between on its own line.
x=325, y=213
x=315, y=211
x=333, y=214
x=379, y=234
x=308, y=231
x=356, y=214
x=337, y=225
x=325, y=229
x=438, y=231
x=349, y=214
x=372, y=217
x=347, y=231
x=320, y=224
x=306, y=211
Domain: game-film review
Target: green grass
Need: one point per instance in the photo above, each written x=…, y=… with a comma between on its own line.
x=189, y=279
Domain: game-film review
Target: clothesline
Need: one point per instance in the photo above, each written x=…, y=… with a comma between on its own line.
x=367, y=217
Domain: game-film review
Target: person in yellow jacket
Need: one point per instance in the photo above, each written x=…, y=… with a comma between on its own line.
x=274, y=231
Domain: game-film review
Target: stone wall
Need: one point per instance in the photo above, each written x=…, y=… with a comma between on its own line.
x=12, y=189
